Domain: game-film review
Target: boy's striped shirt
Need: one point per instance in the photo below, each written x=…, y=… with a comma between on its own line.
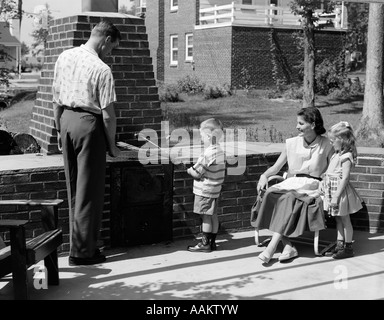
x=211, y=167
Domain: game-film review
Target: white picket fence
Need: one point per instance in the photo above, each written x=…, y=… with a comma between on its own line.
x=248, y=15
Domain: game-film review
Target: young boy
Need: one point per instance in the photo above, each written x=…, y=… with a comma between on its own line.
x=208, y=174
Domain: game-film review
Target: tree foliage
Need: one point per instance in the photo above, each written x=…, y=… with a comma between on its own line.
x=308, y=10
x=357, y=38
x=41, y=34
x=8, y=10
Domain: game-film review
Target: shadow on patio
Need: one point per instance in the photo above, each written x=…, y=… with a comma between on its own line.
x=166, y=271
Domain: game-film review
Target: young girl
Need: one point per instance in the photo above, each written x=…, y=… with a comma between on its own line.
x=341, y=198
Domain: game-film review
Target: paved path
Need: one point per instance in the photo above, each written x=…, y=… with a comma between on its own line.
x=166, y=271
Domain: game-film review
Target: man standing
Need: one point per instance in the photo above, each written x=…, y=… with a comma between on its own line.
x=83, y=97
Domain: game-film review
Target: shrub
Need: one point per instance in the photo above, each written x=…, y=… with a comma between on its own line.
x=217, y=92
x=169, y=93
x=190, y=85
x=329, y=76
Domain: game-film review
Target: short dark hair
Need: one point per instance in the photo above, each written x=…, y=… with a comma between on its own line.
x=107, y=28
x=313, y=115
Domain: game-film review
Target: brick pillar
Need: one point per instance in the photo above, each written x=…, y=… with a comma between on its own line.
x=161, y=49
x=138, y=104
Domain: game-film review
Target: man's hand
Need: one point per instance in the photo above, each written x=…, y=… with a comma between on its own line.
x=59, y=142
x=114, y=151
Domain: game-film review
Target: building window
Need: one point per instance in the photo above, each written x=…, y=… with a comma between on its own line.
x=248, y=2
x=189, y=47
x=142, y=8
x=174, y=50
x=174, y=5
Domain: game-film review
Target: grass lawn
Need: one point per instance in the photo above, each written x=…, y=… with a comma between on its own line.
x=265, y=120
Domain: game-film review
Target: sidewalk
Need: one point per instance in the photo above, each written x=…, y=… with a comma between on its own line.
x=166, y=271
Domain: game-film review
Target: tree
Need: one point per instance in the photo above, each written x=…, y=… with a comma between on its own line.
x=371, y=126
x=306, y=9
x=24, y=49
x=8, y=10
x=356, y=37
x=40, y=34
x=124, y=9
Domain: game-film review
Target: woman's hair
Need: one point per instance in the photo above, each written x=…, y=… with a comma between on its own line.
x=107, y=28
x=213, y=127
x=313, y=115
x=344, y=131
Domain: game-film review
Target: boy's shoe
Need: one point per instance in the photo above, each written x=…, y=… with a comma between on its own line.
x=200, y=247
x=344, y=253
x=213, y=246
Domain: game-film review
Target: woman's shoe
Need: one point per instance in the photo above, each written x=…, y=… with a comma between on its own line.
x=288, y=254
x=264, y=258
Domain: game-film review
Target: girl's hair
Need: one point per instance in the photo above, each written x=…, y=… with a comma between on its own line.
x=344, y=131
x=214, y=128
x=313, y=115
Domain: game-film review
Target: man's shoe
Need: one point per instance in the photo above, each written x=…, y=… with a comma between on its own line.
x=200, y=247
x=96, y=259
x=288, y=254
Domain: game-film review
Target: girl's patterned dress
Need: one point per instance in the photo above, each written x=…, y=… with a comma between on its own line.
x=350, y=201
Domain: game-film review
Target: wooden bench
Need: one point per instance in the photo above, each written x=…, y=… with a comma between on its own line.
x=23, y=253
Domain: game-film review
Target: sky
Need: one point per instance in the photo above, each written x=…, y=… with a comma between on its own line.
x=59, y=9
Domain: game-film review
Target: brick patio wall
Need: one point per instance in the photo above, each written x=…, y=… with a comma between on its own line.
x=236, y=201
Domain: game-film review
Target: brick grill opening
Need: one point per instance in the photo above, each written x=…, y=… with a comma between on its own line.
x=141, y=203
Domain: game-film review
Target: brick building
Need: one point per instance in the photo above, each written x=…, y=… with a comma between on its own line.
x=225, y=42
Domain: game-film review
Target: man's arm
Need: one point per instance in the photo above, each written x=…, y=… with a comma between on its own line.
x=109, y=120
x=57, y=112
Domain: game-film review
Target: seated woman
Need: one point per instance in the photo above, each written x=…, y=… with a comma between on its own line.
x=292, y=206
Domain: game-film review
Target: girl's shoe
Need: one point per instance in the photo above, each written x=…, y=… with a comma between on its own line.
x=339, y=246
x=344, y=253
x=264, y=258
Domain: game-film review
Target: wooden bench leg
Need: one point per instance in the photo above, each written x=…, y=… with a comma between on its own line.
x=19, y=262
x=52, y=265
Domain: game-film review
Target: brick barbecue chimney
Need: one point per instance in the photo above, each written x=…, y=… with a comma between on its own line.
x=100, y=5
x=138, y=104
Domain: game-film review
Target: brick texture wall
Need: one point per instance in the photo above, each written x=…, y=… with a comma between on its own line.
x=138, y=103
x=179, y=23
x=252, y=50
x=213, y=55
x=236, y=201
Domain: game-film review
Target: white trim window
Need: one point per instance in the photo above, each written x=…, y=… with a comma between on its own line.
x=189, y=47
x=174, y=44
x=174, y=5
